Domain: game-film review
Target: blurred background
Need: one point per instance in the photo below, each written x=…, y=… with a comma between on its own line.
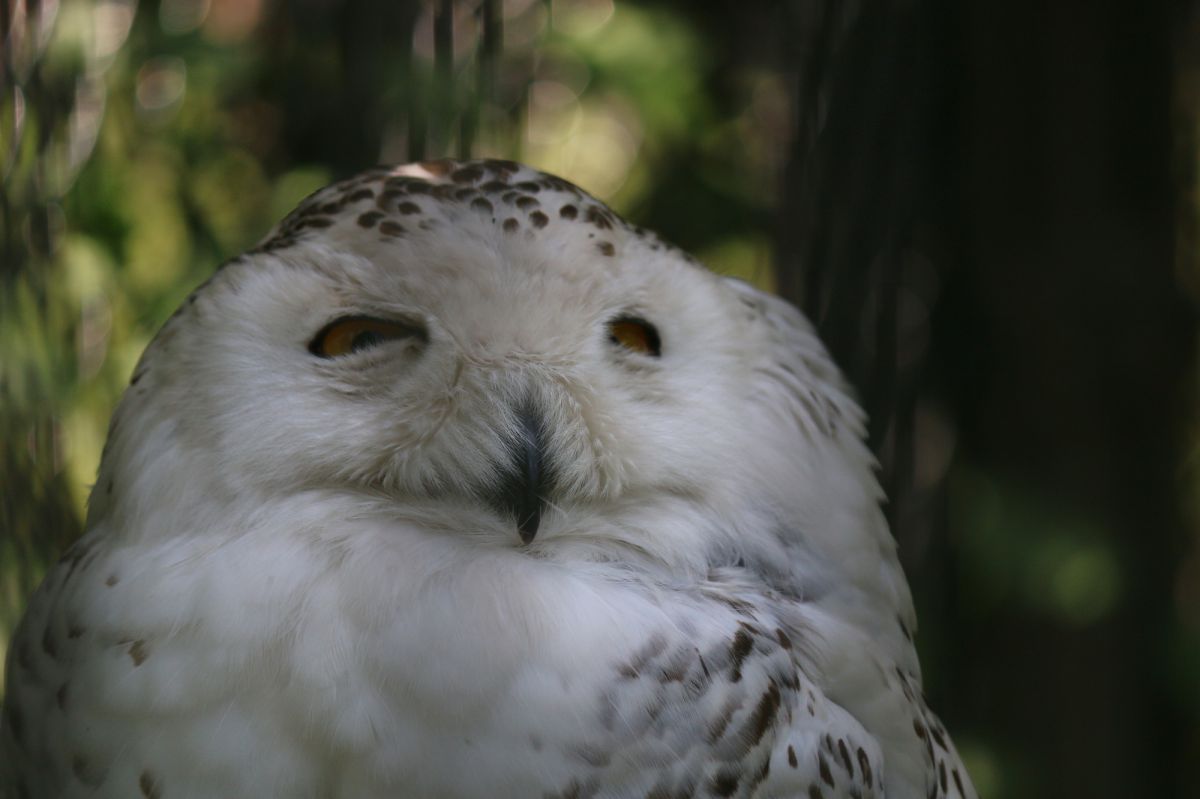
x=989, y=209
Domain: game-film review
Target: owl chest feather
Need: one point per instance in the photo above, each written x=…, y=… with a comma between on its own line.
x=509, y=678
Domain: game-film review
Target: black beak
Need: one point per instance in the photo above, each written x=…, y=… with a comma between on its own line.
x=522, y=490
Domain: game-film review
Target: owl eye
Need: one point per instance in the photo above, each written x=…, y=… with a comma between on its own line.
x=635, y=334
x=356, y=333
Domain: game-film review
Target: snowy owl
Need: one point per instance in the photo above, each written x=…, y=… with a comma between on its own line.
x=459, y=485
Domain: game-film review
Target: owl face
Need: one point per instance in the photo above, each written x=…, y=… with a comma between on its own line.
x=487, y=351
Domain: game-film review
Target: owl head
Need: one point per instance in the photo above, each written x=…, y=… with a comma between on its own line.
x=490, y=357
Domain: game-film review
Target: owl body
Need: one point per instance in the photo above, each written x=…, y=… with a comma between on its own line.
x=460, y=486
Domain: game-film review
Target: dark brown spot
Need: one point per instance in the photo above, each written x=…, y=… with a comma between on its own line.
x=725, y=783
x=418, y=188
x=75, y=556
x=75, y=630
x=654, y=709
x=408, y=207
x=844, y=751
x=753, y=629
x=957, y=782
x=60, y=696
x=390, y=228
x=149, y=786
x=937, y=737
x=823, y=768
x=466, y=174
x=108, y=489
x=438, y=167
x=718, y=725
x=525, y=202
x=112, y=580
x=528, y=185
x=918, y=728
x=942, y=775
x=494, y=186
x=784, y=641
x=814, y=792
x=508, y=197
x=764, y=714
x=738, y=605
x=314, y=221
x=761, y=775
x=539, y=219
x=79, y=768
x=48, y=644
x=277, y=243
x=369, y=219
x=865, y=765
x=138, y=652
x=359, y=196
x=599, y=217
x=568, y=212
x=738, y=650
x=510, y=225
x=605, y=248
x=553, y=182
x=593, y=755
x=500, y=166
x=904, y=629
x=792, y=761
x=483, y=204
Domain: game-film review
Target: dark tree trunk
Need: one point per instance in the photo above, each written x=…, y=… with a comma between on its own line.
x=1023, y=151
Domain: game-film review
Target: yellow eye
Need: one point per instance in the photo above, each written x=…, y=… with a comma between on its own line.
x=355, y=333
x=635, y=334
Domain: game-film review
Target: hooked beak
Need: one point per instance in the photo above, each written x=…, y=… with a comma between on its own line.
x=525, y=483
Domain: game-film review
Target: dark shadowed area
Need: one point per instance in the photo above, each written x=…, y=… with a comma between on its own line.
x=989, y=210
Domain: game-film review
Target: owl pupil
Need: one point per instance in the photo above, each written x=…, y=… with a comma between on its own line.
x=364, y=340
x=635, y=334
